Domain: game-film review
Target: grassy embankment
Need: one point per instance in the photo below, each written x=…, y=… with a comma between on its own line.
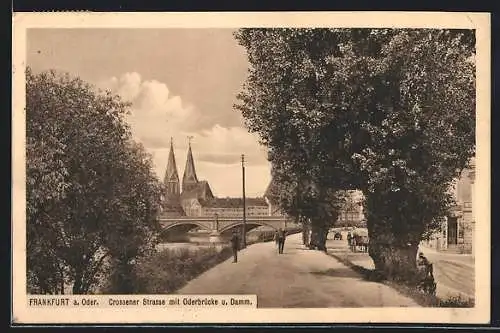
x=169, y=270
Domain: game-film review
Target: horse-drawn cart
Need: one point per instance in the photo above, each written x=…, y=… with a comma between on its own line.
x=359, y=240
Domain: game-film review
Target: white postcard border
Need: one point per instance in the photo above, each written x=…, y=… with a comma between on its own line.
x=479, y=21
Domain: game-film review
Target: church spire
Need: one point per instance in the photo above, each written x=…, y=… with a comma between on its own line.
x=171, y=179
x=189, y=179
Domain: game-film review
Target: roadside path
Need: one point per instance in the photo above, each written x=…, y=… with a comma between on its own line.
x=298, y=278
x=454, y=274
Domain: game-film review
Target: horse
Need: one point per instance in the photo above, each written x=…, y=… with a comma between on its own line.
x=361, y=241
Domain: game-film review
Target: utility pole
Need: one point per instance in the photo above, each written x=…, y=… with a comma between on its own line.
x=244, y=236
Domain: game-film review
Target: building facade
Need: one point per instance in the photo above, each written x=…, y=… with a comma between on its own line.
x=457, y=230
x=230, y=207
x=351, y=214
x=196, y=198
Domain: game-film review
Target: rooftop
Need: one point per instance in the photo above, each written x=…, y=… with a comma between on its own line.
x=200, y=191
x=233, y=202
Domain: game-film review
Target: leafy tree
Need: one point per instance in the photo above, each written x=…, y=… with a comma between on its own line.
x=92, y=197
x=136, y=233
x=388, y=111
x=304, y=197
x=280, y=88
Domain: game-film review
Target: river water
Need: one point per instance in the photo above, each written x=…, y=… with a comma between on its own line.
x=195, y=240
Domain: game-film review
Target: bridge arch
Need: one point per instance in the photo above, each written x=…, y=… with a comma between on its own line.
x=249, y=226
x=179, y=231
x=185, y=226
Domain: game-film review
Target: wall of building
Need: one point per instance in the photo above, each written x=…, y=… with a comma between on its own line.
x=272, y=209
x=463, y=212
x=351, y=217
x=234, y=211
x=192, y=207
x=352, y=212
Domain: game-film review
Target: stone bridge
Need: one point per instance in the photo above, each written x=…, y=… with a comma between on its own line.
x=224, y=225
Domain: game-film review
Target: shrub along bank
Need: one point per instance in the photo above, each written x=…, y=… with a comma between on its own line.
x=170, y=269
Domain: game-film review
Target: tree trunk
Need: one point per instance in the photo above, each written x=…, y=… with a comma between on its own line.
x=61, y=271
x=394, y=259
x=305, y=233
x=393, y=236
x=77, y=284
x=314, y=236
x=122, y=278
x=394, y=262
x=319, y=234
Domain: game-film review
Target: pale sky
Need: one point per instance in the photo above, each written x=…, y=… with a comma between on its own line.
x=181, y=82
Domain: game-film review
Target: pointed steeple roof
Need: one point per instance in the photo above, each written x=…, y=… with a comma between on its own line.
x=171, y=173
x=189, y=171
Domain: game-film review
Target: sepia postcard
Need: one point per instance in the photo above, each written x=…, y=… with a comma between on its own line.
x=258, y=167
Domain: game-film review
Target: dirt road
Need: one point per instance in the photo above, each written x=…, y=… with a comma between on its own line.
x=297, y=278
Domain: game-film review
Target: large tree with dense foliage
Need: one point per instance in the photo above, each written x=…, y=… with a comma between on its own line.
x=302, y=196
x=388, y=111
x=92, y=197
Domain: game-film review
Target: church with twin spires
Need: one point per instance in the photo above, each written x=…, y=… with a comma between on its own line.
x=195, y=198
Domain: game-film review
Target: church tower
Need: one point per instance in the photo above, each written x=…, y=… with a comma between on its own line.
x=172, y=199
x=189, y=179
x=171, y=179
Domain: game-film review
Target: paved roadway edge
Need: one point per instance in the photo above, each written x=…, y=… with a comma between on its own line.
x=370, y=275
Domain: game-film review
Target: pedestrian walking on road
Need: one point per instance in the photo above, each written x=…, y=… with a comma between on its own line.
x=235, y=244
x=276, y=238
x=281, y=240
x=354, y=243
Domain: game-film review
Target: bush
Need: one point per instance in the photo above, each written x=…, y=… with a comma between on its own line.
x=168, y=270
x=428, y=300
x=456, y=302
x=266, y=236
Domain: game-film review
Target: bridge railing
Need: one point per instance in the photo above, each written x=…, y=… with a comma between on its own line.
x=223, y=218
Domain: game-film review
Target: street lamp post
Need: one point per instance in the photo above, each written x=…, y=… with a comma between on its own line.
x=244, y=203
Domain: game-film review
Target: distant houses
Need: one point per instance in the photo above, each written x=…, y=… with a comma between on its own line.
x=457, y=231
x=351, y=213
x=196, y=198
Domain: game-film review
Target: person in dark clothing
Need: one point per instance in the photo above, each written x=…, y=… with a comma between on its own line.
x=424, y=263
x=276, y=238
x=425, y=269
x=235, y=244
x=281, y=240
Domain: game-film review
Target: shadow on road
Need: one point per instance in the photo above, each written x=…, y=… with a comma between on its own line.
x=340, y=272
